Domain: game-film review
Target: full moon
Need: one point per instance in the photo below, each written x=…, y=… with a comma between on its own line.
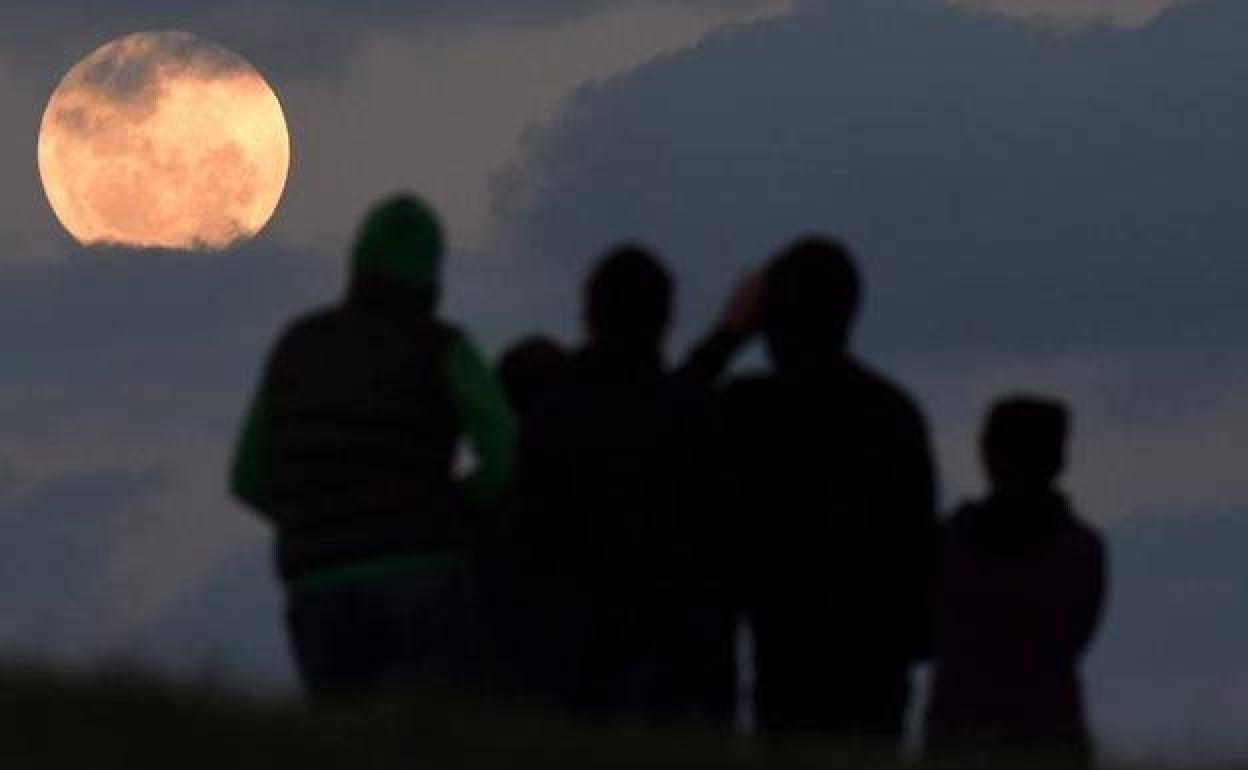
x=163, y=140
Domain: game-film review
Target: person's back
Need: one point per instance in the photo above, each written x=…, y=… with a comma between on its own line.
x=348, y=452
x=363, y=432
x=515, y=580
x=623, y=433
x=610, y=465
x=1019, y=597
x=830, y=466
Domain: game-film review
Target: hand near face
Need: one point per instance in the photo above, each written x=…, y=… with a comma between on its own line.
x=743, y=311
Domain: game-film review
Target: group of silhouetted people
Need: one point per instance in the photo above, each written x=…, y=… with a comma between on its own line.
x=621, y=517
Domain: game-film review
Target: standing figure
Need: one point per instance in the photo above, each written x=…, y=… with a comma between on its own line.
x=613, y=485
x=529, y=370
x=348, y=452
x=1019, y=597
x=831, y=477
x=523, y=612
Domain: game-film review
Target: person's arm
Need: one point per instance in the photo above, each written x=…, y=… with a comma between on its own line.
x=249, y=472
x=1092, y=606
x=915, y=493
x=712, y=356
x=486, y=419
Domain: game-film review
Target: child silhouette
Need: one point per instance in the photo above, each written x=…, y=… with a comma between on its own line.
x=1018, y=598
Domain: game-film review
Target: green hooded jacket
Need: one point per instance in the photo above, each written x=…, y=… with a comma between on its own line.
x=401, y=241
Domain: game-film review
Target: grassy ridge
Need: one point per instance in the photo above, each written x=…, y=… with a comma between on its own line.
x=49, y=720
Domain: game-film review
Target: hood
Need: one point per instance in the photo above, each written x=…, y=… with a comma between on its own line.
x=401, y=242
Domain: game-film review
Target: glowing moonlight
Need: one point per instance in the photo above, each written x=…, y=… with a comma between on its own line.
x=163, y=140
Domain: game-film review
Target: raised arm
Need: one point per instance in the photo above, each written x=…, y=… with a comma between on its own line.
x=711, y=357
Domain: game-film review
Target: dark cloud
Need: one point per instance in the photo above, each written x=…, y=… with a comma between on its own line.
x=1169, y=668
x=1009, y=189
x=281, y=37
x=130, y=369
x=55, y=541
x=380, y=13
x=157, y=340
x=226, y=630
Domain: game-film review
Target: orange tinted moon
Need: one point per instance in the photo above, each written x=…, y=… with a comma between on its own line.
x=163, y=140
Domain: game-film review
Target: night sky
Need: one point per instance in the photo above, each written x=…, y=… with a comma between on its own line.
x=1045, y=195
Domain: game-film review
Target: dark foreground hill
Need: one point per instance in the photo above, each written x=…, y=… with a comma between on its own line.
x=119, y=721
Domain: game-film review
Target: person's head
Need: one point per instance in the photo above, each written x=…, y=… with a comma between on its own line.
x=811, y=299
x=1024, y=443
x=400, y=243
x=529, y=368
x=628, y=301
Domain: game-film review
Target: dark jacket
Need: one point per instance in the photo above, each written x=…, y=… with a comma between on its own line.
x=612, y=485
x=832, y=479
x=363, y=430
x=348, y=444
x=613, y=454
x=1019, y=597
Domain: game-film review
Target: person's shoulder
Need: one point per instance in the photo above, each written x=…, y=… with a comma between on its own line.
x=888, y=393
x=298, y=341
x=882, y=385
x=958, y=534
x=450, y=342
x=450, y=331
x=1084, y=535
x=309, y=323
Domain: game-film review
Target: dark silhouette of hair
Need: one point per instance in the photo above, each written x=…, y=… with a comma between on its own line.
x=812, y=297
x=1024, y=442
x=529, y=368
x=628, y=300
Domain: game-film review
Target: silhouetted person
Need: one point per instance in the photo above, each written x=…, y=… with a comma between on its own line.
x=613, y=474
x=347, y=451
x=829, y=466
x=529, y=369
x=519, y=593
x=1020, y=594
